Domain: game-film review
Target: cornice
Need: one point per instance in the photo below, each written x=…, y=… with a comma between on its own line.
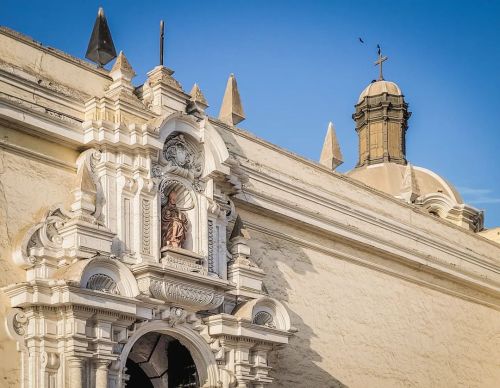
x=335, y=202
x=490, y=297
x=55, y=52
x=461, y=266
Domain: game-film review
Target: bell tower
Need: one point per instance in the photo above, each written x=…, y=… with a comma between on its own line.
x=381, y=118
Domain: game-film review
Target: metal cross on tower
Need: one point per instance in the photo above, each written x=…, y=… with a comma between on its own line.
x=381, y=59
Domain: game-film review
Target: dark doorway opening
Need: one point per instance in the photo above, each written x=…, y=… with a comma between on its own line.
x=181, y=369
x=138, y=378
x=159, y=360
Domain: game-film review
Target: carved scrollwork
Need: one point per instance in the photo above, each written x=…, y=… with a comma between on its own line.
x=103, y=283
x=42, y=240
x=182, y=157
x=19, y=322
x=264, y=318
x=185, y=294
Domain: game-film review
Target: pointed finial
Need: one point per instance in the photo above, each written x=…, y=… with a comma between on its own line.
x=101, y=49
x=122, y=68
x=331, y=156
x=198, y=97
x=197, y=103
x=409, y=187
x=239, y=230
x=231, y=111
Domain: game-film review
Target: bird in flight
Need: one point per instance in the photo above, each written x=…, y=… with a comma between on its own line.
x=361, y=40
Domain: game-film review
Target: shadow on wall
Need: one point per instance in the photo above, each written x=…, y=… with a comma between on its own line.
x=295, y=366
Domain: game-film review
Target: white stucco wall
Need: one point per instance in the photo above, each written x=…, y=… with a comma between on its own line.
x=359, y=327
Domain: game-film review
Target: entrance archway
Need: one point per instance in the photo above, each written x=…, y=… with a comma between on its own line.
x=159, y=360
x=192, y=364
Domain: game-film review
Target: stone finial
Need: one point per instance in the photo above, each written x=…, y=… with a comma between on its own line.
x=122, y=74
x=409, y=187
x=231, y=111
x=331, y=156
x=198, y=97
x=122, y=70
x=197, y=103
x=239, y=230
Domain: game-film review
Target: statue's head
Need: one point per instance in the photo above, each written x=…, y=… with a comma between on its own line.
x=172, y=198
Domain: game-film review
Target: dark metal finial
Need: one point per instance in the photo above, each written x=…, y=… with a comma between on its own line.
x=101, y=49
x=162, y=38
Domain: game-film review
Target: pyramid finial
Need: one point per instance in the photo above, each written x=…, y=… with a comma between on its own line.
x=409, y=187
x=197, y=103
x=231, y=111
x=198, y=97
x=122, y=68
x=331, y=156
x=101, y=49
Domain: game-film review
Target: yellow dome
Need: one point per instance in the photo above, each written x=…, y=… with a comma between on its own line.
x=379, y=87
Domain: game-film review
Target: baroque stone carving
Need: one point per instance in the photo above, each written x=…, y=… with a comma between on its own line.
x=174, y=223
x=146, y=226
x=19, y=322
x=182, y=158
x=211, y=260
x=89, y=195
x=103, y=283
x=185, y=294
x=263, y=318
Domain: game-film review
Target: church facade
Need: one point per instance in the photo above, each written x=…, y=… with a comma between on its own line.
x=146, y=244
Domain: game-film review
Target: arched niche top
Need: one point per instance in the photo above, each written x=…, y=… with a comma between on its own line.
x=214, y=149
x=82, y=271
x=257, y=309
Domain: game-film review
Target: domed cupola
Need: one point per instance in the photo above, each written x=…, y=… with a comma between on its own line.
x=381, y=118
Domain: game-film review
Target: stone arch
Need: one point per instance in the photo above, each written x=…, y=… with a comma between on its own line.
x=214, y=147
x=203, y=356
x=81, y=271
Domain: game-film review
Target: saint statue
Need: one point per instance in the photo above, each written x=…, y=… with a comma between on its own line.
x=173, y=223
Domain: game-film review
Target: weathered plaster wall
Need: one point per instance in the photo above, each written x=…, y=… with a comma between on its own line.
x=359, y=327
x=29, y=185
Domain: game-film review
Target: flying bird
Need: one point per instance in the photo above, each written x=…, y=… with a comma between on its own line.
x=361, y=40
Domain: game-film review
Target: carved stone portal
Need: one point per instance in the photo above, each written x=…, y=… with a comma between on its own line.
x=174, y=223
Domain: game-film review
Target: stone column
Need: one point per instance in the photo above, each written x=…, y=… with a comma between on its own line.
x=76, y=372
x=101, y=373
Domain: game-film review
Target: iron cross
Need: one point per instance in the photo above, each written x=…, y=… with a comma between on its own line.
x=381, y=59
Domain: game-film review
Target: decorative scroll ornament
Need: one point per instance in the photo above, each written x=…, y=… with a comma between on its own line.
x=19, y=322
x=42, y=240
x=182, y=158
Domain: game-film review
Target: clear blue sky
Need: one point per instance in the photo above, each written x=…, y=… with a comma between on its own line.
x=299, y=64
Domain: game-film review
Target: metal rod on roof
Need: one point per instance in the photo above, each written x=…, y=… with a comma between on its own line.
x=162, y=37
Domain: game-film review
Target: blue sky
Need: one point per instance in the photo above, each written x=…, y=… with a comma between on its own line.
x=299, y=64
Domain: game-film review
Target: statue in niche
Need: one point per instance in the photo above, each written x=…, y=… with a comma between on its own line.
x=174, y=223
